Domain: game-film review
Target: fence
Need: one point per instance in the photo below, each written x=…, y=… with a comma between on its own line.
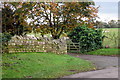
x=73, y=47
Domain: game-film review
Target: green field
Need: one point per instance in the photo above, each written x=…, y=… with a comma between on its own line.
x=112, y=37
x=42, y=65
x=105, y=52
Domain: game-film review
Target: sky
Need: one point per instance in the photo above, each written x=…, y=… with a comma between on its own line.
x=108, y=10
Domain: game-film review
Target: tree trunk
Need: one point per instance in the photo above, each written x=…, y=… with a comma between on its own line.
x=55, y=36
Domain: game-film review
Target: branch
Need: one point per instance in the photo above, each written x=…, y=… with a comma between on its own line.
x=48, y=18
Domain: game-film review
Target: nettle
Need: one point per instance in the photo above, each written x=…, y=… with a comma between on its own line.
x=90, y=39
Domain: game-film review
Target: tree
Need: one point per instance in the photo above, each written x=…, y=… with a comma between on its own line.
x=113, y=24
x=61, y=17
x=48, y=17
x=14, y=17
x=100, y=24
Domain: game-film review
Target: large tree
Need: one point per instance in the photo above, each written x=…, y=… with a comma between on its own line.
x=47, y=17
x=61, y=17
x=14, y=16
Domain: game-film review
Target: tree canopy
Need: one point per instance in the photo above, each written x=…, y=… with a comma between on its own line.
x=14, y=18
x=47, y=17
x=62, y=17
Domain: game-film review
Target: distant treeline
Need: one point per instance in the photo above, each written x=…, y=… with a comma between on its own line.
x=110, y=24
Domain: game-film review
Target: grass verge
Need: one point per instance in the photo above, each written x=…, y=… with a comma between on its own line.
x=105, y=52
x=42, y=65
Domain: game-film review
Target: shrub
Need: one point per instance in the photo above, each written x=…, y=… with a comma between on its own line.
x=4, y=38
x=89, y=39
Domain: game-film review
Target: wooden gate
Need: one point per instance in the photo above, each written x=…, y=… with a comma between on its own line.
x=73, y=47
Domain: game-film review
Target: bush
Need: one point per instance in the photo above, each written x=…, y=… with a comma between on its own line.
x=4, y=38
x=89, y=39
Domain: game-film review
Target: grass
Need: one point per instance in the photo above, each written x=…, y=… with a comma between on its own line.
x=113, y=37
x=105, y=52
x=42, y=65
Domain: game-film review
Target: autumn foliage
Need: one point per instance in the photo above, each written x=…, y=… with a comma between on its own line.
x=49, y=17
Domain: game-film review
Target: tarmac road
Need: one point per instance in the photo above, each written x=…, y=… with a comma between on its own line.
x=107, y=67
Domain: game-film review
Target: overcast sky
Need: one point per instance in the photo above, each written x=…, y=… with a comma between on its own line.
x=108, y=9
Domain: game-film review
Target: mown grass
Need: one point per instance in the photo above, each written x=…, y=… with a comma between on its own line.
x=105, y=52
x=42, y=65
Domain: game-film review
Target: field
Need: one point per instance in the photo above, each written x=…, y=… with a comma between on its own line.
x=105, y=52
x=112, y=38
x=42, y=65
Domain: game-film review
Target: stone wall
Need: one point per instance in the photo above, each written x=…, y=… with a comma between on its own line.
x=25, y=44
